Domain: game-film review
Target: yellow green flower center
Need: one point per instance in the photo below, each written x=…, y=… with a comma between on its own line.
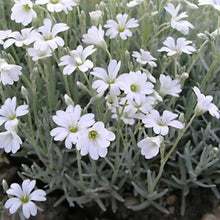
x=93, y=134
x=46, y=38
x=79, y=61
x=24, y=199
x=13, y=117
x=73, y=129
x=137, y=106
x=121, y=29
x=26, y=7
x=133, y=88
x=111, y=81
x=110, y=101
x=161, y=123
x=54, y=1
x=42, y=54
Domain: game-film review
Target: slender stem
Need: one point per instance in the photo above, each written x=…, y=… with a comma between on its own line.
x=4, y=22
x=157, y=33
x=197, y=56
x=2, y=92
x=208, y=74
x=163, y=162
x=109, y=55
x=78, y=155
x=175, y=67
x=116, y=165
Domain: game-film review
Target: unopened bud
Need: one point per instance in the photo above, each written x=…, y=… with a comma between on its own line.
x=68, y=100
x=25, y=168
x=4, y=184
x=191, y=5
x=202, y=36
x=184, y=76
x=95, y=17
x=214, y=152
x=127, y=56
x=82, y=19
x=181, y=118
x=154, y=13
x=81, y=86
x=33, y=75
x=24, y=92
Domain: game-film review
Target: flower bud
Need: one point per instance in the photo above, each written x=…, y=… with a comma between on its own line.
x=4, y=184
x=95, y=17
x=184, y=76
x=82, y=19
x=191, y=5
x=154, y=13
x=81, y=86
x=202, y=36
x=181, y=118
x=24, y=92
x=214, y=152
x=68, y=100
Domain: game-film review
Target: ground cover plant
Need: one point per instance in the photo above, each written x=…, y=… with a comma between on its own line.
x=110, y=102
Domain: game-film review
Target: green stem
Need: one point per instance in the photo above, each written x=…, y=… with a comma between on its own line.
x=78, y=155
x=207, y=77
x=158, y=32
x=197, y=56
x=4, y=20
x=109, y=55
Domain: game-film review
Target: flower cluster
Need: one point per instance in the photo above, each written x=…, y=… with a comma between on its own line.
x=10, y=141
x=44, y=39
x=114, y=68
x=90, y=137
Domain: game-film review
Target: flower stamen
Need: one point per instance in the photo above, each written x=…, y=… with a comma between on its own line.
x=93, y=134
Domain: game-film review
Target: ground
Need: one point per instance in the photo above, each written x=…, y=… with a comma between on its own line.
x=200, y=205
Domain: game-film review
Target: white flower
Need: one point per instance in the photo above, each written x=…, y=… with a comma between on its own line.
x=144, y=57
x=3, y=35
x=134, y=3
x=95, y=36
x=214, y=3
x=26, y=37
x=70, y=124
x=22, y=12
x=182, y=46
x=112, y=101
x=77, y=59
x=150, y=146
x=204, y=104
x=107, y=79
x=9, y=139
x=23, y=197
x=95, y=141
x=141, y=106
x=169, y=86
x=176, y=20
x=160, y=123
x=121, y=27
x=95, y=17
x=135, y=84
x=49, y=36
x=57, y=5
x=120, y=112
x=9, y=73
x=9, y=112
x=69, y=4
x=37, y=54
